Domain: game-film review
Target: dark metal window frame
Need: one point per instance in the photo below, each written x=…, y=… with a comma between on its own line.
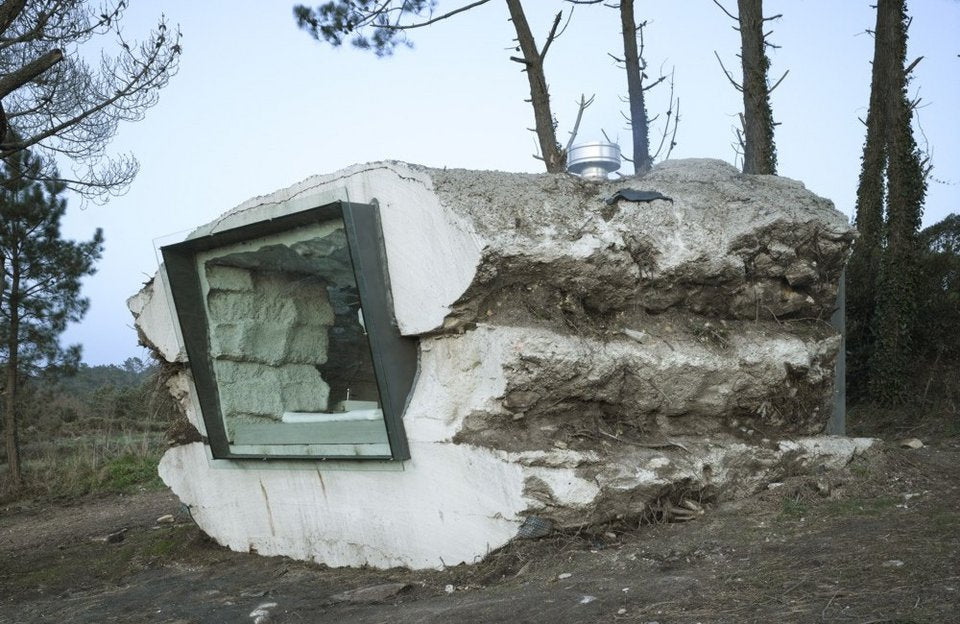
x=394, y=356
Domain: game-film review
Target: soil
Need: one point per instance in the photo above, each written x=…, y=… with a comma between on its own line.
x=876, y=542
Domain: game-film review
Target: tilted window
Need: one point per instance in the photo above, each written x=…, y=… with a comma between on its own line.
x=289, y=329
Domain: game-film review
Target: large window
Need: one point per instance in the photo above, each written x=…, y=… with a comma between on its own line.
x=291, y=338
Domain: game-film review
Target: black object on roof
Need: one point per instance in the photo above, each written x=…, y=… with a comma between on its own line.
x=634, y=195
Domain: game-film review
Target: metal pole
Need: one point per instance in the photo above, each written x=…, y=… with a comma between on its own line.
x=837, y=425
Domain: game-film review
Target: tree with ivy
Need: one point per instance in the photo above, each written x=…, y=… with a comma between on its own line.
x=40, y=275
x=755, y=139
x=883, y=273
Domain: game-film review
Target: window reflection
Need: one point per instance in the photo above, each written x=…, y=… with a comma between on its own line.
x=288, y=345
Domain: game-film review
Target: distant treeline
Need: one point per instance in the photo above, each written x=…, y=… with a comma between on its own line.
x=115, y=398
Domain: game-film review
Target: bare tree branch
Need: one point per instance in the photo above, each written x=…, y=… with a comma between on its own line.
x=910, y=67
x=728, y=75
x=673, y=137
x=21, y=76
x=654, y=83
x=9, y=11
x=584, y=104
x=551, y=35
x=433, y=20
x=60, y=105
x=724, y=9
x=777, y=84
x=666, y=125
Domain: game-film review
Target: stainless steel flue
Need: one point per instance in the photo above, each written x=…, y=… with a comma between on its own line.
x=593, y=160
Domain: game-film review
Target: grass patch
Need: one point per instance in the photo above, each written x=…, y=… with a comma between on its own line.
x=75, y=467
x=793, y=508
x=859, y=468
x=860, y=506
x=130, y=470
x=90, y=564
x=943, y=519
x=799, y=507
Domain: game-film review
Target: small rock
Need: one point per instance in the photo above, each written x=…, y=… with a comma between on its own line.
x=823, y=487
x=113, y=538
x=563, y=576
x=449, y=588
x=621, y=611
x=374, y=593
x=774, y=485
x=165, y=519
x=587, y=599
x=521, y=400
x=261, y=615
x=910, y=443
x=610, y=535
x=892, y=563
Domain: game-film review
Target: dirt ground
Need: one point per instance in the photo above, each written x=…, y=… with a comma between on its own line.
x=877, y=542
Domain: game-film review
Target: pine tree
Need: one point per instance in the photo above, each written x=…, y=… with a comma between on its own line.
x=40, y=287
x=62, y=100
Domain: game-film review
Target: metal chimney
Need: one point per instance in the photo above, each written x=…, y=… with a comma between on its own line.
x=593, y=160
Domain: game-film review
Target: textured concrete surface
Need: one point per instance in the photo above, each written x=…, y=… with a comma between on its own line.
x=580, y=361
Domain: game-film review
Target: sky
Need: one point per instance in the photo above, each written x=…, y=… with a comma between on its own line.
x=258, y=105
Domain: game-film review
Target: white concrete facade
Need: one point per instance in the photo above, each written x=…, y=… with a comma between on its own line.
x=546, y=321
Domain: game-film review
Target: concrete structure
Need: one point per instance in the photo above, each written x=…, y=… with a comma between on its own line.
x=580, y=361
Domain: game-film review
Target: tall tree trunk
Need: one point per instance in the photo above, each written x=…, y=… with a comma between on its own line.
x=863, y=270
x=554, y=156
x=638, y=109
x=759, y=154
x=10, y=406
x=896, y=313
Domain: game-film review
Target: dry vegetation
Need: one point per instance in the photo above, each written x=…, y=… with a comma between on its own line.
x=100, y=431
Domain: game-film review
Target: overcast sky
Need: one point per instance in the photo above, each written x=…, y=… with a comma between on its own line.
x=259, y=105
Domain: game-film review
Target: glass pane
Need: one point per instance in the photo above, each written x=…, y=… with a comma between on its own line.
x=288, y=345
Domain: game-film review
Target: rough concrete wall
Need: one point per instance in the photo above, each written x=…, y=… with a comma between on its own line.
x=726, y=246
x=581, y=362
x=268, y=333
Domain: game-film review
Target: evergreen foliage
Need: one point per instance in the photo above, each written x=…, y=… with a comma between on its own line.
x=938, y=331
x=884, y=274
x=366, y=22
x=41, y=283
